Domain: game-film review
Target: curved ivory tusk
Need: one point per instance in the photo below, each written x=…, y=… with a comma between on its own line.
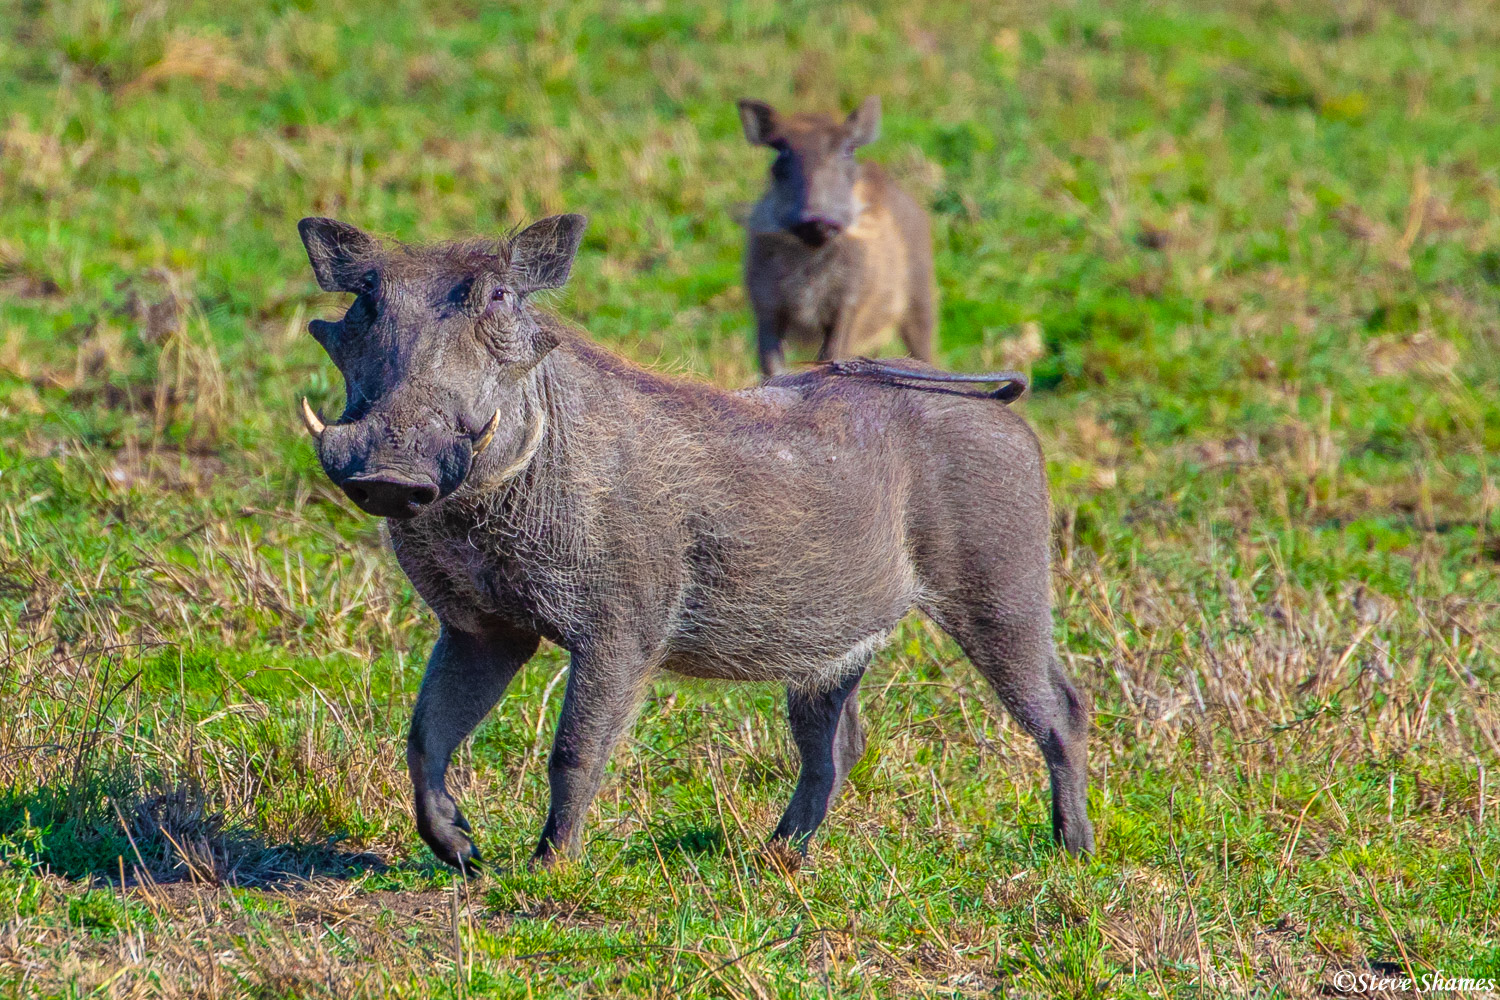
x=315, y=427
x=533, y=442
x=482, y=441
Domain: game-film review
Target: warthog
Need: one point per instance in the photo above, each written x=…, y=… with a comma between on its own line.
x=537, y=485
x=838, y=255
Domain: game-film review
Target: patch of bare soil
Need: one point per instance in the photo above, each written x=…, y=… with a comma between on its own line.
x=1420, y=352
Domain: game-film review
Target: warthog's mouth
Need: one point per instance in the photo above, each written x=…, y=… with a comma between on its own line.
x=395, y=492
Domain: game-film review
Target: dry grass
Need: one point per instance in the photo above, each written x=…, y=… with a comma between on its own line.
x=1282, y=736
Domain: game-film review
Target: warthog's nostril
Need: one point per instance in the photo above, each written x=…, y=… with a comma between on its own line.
x=815, y=230
x=390, y=496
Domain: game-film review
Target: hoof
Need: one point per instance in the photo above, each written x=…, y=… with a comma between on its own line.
x=447, y=832
x=1078, y=840
x=470, y=865
x=458, y=851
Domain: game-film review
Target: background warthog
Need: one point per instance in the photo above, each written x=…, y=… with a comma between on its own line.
x=538, y=485
x=838, y=255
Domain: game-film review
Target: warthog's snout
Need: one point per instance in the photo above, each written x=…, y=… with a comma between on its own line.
x=394, y=482
x=389, y=494
x=815, y=230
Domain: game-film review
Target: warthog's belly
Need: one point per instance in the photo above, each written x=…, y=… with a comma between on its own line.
x=810, y=636
x=817, y=668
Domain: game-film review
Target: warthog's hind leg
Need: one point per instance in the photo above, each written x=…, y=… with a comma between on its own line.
x=1017, y=658
x=918, y=327
x=825, y=726
x=466, y=675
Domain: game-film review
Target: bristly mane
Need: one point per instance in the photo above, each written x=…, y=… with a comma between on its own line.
x=417, y=259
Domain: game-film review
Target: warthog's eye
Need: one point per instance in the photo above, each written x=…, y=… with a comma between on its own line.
x=502, y=295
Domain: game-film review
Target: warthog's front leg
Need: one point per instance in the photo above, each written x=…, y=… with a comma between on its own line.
x=768, y=343
x=826, y=729
x=603, y=695
x=466, y=675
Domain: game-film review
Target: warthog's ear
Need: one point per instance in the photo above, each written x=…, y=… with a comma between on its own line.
x=863, y=124
x=341, y=254
x=541, y=256
x=759, y=120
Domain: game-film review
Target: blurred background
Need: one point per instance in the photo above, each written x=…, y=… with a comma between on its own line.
x=1249, y=252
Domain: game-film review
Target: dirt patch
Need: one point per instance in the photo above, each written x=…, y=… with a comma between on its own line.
x=1420, y=352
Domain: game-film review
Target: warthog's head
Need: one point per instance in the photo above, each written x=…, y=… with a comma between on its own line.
x=812, y=191
x=433, y=350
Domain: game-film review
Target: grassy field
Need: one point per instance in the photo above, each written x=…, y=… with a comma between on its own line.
x=1251, y=255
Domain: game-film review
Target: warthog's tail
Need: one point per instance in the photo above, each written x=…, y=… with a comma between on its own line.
x=1010, y=384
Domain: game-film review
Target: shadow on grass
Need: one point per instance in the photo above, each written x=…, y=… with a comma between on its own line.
x=677, y=840
x=115, y=825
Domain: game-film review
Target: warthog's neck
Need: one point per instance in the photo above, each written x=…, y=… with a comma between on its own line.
x=553, y=399
x=555, y=440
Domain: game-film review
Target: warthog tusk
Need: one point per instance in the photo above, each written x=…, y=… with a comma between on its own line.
x=528, y=449
x=315, y=426
x=487, y=435
x=533, y=442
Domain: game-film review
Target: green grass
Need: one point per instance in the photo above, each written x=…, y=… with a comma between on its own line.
x=1251, y=254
